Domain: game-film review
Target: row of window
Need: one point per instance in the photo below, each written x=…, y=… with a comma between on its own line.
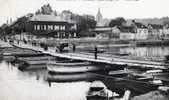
x=48, y=27
x=142, y=31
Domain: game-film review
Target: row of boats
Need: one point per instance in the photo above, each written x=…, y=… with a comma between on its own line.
x=65, y=70
x=60, y=69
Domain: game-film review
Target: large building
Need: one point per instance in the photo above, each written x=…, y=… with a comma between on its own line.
x=50, y=25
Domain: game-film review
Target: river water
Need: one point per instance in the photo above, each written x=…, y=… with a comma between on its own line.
x=17, y=85
x=146, y=51
x=30, y=85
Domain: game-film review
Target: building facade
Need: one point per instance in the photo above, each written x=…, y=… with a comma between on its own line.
x=141, y=31
x=155, y=31
x=49, y=25
x=127, y=33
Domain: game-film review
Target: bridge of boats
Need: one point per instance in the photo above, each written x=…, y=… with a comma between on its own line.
x=90, y=57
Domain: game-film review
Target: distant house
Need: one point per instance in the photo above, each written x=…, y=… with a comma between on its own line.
x=102, y=31
x=134, y=31
x=141, y=31
x=165, y=32
x=155, y=30
x=50, y=25
x=127, y=33
x=116, y=32
x=107, y=32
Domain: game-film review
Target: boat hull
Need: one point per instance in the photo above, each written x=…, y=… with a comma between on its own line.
x=70, y=77
x=72, y=69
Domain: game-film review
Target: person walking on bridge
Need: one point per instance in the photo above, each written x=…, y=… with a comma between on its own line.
x=95, y=52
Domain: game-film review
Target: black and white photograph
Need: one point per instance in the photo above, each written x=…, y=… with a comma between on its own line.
x=84, y=50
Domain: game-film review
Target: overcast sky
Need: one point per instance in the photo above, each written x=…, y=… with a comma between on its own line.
x=109, y=8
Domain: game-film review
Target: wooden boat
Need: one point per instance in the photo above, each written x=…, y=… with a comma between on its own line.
x=25, y=66
x=63, y=64
x=41, y=58
x=28, y=65
x=69, y=77
x=119, y=73
x=72, y=69
x=98, y=91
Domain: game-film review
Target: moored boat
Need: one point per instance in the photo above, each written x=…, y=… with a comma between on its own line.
x=62, y=64
x=71, y=69
x=98, y=91
x=69, y=77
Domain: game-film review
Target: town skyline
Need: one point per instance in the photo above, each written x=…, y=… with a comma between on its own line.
x=13, y=8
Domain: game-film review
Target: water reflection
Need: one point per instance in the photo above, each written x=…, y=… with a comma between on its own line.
x=17, y=85
x=146, y=51
x=156, y=51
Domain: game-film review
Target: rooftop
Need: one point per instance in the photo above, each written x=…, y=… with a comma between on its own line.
x=47, y=18
x=156, y=26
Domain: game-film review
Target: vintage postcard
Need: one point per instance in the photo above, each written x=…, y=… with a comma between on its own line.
x=84, y=50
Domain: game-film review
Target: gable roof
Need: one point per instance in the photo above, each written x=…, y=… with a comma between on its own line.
x=50, y=18
x=140, y=25
x=156, y=26
x=127, y=29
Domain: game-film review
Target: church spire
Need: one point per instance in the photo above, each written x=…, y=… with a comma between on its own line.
x=99, y=17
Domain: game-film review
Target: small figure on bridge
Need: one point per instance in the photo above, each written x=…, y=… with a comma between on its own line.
x=74, y=47
x=60, y=49
x=95, y=52
x=57, y=50
x=24, y=40
x=46, y=47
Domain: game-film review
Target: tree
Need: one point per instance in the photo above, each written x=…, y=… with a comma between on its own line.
x=166, y=23
x=19, y=25
x=84, y=24
x=1, y=31
x=119, y=21
x=7, y=30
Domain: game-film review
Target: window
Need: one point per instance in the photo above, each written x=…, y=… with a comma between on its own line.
x=41, y=27
x=62, y=27
x=44, y=27
x=34, y=27
x=50, y=27
x=56, y=27
x=38, y=27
